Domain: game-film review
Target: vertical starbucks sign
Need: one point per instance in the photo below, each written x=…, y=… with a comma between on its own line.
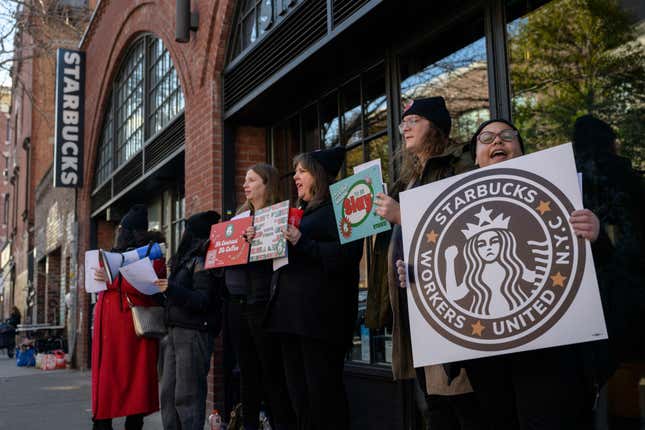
x=70, y=105
x=494, y=264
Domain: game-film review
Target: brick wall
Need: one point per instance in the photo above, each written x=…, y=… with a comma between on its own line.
x=250, y=149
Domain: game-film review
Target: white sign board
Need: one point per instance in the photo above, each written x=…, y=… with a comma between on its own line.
x=495, y=266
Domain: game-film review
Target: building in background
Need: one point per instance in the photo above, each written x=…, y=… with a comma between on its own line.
x=41, y=240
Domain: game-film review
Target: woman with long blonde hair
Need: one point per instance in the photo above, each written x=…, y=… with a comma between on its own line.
x=258, y=354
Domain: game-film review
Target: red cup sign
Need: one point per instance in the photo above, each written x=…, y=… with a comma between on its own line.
x=295, y=215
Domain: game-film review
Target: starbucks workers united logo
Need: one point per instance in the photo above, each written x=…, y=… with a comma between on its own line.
x=495, y=260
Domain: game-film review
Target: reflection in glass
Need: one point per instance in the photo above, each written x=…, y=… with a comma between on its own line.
x=375, y=102
x=353, y=157
x=574, y=57
x=329, y=121
x=352, y=115
x=461, y=78
x=379, y=148
x=310, y=134
x=265, y=18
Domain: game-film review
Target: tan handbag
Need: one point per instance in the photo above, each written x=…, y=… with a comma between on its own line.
x=148, y=320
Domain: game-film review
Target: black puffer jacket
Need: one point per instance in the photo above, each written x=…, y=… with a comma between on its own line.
x=193, y=297
x=316, y=294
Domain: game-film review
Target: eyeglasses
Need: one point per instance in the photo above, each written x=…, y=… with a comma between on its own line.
x=488, y=137
x=410, y=122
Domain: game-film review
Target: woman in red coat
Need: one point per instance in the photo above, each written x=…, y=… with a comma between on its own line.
x=124, y=366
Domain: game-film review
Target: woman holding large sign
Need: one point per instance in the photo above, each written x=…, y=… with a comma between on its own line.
x=427, y=156
x=314, y=306
x=258, y=354
x=541, y=389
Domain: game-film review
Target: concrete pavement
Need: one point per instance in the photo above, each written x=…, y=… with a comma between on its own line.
x=33, y=399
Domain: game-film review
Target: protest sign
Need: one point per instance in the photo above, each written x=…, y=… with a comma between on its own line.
x=353, y=201
x=494, y=264
x=227, y=245
x=269, y=241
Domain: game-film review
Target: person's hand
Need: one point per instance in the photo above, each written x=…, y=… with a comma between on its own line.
x=249, y=234
x=585, y=224
x=99, y=274
x=401, y=270
x=162, y=284
x=388, y=208
x=292, y=234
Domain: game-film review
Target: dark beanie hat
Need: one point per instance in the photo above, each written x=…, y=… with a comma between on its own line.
x=199, y=225
x=591, y=134
x=433, y=109
x=136, y=219
x=473, y=140
x=330, y=159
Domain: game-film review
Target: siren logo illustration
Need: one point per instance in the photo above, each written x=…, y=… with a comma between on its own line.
x=229, y=231
x=357, y=205
x=495, y=261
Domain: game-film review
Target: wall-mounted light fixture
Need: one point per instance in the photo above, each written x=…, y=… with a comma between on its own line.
x=185, y=21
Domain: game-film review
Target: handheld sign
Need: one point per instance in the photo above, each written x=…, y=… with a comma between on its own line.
x=227, y=245
x=495, y=266
x=353, y=201
x=269, y=241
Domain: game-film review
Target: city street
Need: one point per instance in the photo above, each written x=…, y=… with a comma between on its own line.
x=32, y=399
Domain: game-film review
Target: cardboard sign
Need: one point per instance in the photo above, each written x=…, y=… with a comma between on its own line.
x=227, y=246
x=494, y=264
x=353, y=201
x=269, y=241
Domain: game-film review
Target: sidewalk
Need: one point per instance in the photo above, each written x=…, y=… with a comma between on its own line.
x=33, y=399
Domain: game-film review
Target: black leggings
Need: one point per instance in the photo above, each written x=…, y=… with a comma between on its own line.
x=261, y=370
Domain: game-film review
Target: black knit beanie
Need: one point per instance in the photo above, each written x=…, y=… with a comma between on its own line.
x=330, y=159
x=433, y=109
x=136, y=219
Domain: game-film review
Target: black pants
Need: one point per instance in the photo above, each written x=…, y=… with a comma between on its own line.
x=534, y=390
x=132, y=422
x=261, y=370
x=458, y=412
x=314, y=371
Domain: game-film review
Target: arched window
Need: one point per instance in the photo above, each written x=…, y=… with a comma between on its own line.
x=146, y=97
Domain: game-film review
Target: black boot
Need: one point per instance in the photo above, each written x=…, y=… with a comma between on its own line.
x=134, y=422
x=102, y=424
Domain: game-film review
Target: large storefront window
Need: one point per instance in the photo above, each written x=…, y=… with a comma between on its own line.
x=574, y=57
x=456, y=69
x=569, y=59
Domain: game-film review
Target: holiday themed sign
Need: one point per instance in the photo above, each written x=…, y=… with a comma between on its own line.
x=269, y=241
x=353, y=201
x=227, y=245
x=494, y=264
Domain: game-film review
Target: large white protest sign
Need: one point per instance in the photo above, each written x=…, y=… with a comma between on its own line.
x=494, y=264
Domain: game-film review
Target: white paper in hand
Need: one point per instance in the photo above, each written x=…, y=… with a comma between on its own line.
x=91, y=265
x=141, y=275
